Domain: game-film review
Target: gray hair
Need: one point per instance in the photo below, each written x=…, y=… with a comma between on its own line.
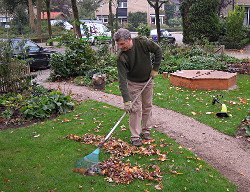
x=123, y=34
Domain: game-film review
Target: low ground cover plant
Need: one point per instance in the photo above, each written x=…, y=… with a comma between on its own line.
x=43, y=159
x=34, y=103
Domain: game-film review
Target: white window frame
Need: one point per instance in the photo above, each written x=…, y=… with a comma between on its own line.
x=123, y=5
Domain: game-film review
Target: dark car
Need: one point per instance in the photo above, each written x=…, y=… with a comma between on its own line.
x=165, y=36
x=29, y=50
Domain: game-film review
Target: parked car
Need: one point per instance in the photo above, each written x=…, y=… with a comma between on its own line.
x=28, y=50
x=65, y=24
x=97, y=32
x=165, y=36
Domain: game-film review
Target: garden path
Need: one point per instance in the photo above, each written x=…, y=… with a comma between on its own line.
x=229, y=155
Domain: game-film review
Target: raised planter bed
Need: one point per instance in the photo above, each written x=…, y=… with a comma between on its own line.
x=204, y=79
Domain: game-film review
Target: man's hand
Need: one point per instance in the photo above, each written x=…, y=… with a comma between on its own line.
x=128, y=106
x=154, y=74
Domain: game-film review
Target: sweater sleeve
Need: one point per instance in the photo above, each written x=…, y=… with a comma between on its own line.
x=157, y=51
x=122, y=79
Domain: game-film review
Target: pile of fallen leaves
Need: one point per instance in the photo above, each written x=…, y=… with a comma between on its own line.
x=122, y=172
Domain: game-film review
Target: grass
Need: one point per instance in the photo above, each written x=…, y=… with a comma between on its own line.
x=198, y=103
x=39, y=158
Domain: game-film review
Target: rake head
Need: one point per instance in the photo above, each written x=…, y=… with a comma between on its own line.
x=88, y=161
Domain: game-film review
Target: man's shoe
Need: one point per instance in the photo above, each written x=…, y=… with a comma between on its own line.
x=146, y=136
x=137, y=143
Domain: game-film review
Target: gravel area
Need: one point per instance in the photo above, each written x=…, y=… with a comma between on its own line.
x=229, y=155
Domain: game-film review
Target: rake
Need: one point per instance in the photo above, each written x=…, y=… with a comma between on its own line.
x=92, y=159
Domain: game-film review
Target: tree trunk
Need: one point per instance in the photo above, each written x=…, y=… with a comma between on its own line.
x=48, y=19
x=157, y=19
x=116, y=16
x=38, y=24
x=156, y=4
x=31, y=15
x=111, y=23
x=76, y=18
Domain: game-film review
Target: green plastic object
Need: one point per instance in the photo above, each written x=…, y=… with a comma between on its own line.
x=89, y=160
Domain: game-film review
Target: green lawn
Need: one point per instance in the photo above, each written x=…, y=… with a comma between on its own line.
x=198, y=103
x=40, y=158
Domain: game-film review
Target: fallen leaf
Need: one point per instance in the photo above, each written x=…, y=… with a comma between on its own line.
x=159, y=187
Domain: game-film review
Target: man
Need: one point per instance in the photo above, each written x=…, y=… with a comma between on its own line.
x=134, y=70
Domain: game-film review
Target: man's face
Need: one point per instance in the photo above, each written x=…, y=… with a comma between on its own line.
x=125, y=45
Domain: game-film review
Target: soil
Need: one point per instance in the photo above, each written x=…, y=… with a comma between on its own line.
x=229, y=155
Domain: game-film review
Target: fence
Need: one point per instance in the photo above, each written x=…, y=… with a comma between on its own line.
x=13, y=77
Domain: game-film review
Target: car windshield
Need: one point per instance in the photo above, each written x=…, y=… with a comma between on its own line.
x=164, y=32
x=31, y=46
x=153, y=32
x=19, y=45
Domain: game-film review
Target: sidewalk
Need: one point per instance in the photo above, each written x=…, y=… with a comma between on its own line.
x=240, y=54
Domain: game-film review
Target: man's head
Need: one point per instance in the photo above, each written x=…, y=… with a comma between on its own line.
x=123, y=39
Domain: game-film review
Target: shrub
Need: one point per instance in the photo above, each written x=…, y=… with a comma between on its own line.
x=234, y=24
x=143, y=30
x=191, y=58
x=236, y=36
x=81, y=61
x=200, y=19
x=137, y=18
x=78, y=58
x=14, y=75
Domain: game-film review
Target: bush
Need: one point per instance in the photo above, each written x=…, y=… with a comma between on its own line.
x=81, y=61
x=78, y=58
x=234, y=24
x=235, y=45
x=137, y=18
x=174, y=22
x=191, y=58
x=14, y=75
x=143, y=30
x=200, y=19
x=236, y=36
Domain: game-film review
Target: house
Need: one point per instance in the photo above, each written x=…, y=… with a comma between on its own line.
x=124, y=8
x=54, y=15
x=246, y=4
x=230, y=7
x=5, y=19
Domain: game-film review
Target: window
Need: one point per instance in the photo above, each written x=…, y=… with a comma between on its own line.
x=247, y=16
x=123, y=5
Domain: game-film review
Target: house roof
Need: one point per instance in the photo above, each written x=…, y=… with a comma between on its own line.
x=53, y=15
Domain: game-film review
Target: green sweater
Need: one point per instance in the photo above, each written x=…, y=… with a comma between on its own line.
x=135, y=64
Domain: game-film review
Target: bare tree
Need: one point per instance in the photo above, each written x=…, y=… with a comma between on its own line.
x=76, y=18
x=31, y=15
x=38, y=24
x=157, y=4
x=111, y=23
x=48, y=19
